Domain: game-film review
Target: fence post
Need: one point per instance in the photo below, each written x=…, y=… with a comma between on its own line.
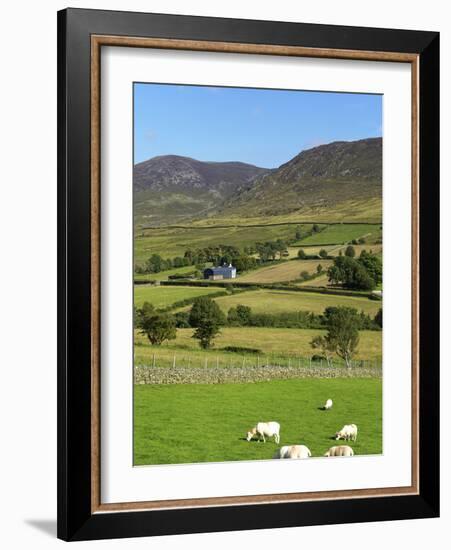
x=154, y=360
x=173, y=362
x=258, y=361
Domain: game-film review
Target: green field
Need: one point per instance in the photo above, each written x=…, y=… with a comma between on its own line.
x=278, y=344
x=343, y=233
x=171, y=242
x=164, y=275
x=164, y=296
x=284, y=271
x=279, y=301
x=176, y=424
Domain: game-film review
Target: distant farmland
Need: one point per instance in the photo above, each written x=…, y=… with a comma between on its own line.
x=164, y=296
x=284, y=271
x=280, y=301
x=342, y=233
x=171, y=242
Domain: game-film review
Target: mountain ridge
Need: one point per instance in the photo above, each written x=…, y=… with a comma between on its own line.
x=172, y=188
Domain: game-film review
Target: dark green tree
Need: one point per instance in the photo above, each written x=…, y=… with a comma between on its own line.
x=207, y=317
x=156, y=325
x=350, y=251
x=298, y=233
x=323, y=253
x=239, y=316
x=378, y=318
x=155, y=264
x=372, y=264
x=301, y=254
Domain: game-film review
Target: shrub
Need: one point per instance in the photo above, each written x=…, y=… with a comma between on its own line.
x=239, y=349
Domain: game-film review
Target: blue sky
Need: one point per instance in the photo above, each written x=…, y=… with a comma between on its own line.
x=261, y=127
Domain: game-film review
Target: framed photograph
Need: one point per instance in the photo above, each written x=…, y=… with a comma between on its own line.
x=248, y=274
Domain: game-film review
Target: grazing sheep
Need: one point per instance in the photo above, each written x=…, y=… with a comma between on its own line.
x=328, y=405
x=293, y=451
x=340, y=450
x=347, y=432
x=268, y=429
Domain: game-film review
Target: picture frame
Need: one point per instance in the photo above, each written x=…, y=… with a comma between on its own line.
x=81, y=36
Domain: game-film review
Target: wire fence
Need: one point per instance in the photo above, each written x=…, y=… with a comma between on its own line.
x=211, y=360
x=217, y=369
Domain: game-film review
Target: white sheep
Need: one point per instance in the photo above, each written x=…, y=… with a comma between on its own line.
x=268, y=429
x=340, y=450
x=293, y=451
x=328, y=405
x=349, y=431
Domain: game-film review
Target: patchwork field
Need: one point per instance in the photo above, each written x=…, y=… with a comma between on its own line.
x=171, y=242
x=179, y=423
x=279, y=301
x=284, y=271
x=164, y=296
x=277, y=343
x=342, y=233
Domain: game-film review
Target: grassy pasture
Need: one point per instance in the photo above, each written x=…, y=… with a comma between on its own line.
x=279, y=301
x=284, y=271
x=277, y=343
x=180, y=423
x=164, y=296
x=171, y=242
x=163, y=275
x=342, y=233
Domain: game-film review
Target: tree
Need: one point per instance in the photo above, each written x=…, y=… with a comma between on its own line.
x=156, y=325
x=350, y=273
x=372, y=264
x=319, y=269
x=155, y=263
x=343, y=334
x=239, y=316
x=378, y=318
x=305, y=275
x=298, y=234
x=350, y=251
x=206, y=316
x=325, y=346
x=316, y=228
x=323, y=253
x=301, y=254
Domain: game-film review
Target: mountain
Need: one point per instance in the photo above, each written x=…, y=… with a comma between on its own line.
x=342, y=177
x=171, y=188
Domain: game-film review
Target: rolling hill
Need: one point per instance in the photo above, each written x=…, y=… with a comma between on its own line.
x=318, y=180
x=339, y=181
x=169, y=188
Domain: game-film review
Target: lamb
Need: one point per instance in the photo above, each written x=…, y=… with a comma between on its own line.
x=328, y=405
x=340, y=450
x=293, y=451
x=349, y=431
x=268, y=429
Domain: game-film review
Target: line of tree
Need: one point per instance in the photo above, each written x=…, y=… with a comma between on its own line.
x=364, y=273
